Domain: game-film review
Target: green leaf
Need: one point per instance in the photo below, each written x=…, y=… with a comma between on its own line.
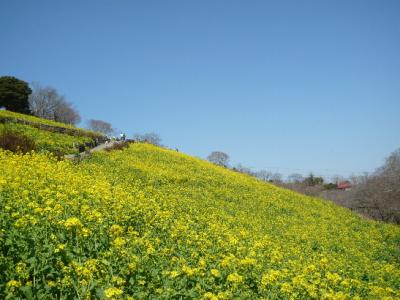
x=27, y=291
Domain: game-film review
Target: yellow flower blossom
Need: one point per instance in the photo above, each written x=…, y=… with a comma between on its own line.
x=59, y=248
x=247, y=261
x=173, y=274
x=270, y=277
x=234, y=278
x=73, y=222
x=119, y=242
x=112, y=293
x=13, y=284
x=116, y=230
x=215, y=273
x=118, y=280
x=188, y=270
x=210, y=296
x=151, y=222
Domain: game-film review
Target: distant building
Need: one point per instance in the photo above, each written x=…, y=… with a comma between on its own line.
x=344, y=185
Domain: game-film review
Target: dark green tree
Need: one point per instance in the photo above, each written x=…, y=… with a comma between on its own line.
x=312, y=180
x=14, y=94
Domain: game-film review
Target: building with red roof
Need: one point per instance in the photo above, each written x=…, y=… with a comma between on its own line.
x=344, y=185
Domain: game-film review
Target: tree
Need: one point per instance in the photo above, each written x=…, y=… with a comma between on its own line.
x=263, y=175
x=337, y=178
x=295, y=178
x=43, y=100
x=359, y=179
x=378, y=195
x=242, y=169
x=66, y=113
x=312, y=180
x=276, y=177
x=14, y=94
x=151, y=137
x=47, y=103
x=100, y=126
x=219, y=158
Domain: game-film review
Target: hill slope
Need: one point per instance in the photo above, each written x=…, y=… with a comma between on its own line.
x=153, y=223
x=49, y=136
x=7, y=116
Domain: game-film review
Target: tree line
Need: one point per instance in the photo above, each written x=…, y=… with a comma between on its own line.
x=44, y=102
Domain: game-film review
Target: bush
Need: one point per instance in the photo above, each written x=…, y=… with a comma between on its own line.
x=15, y=142
x=330, y=186
x=58, y=155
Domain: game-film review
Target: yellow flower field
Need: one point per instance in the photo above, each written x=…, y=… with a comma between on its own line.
x=151, y=223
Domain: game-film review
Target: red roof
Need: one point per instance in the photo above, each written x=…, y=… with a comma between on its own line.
x=344, y=185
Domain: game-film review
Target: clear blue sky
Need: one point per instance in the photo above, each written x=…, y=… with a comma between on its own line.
x=291, y=86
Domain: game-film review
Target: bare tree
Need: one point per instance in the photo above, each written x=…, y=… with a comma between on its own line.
x=100, y=126
x=219, y=158
x=242, y=169
x=337, y=178
x=47, y=103
x=359, y=179
x=379, y=195
x=66, y=113
x=151, y=137
x=276, y=177
x=263, y=175
x=43, y=101
x=295, y=178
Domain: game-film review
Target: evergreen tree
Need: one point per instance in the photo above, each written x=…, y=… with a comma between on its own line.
x=14, y=94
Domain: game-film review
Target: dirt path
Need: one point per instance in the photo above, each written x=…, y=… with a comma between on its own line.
x=103, y=146
x=95, y=149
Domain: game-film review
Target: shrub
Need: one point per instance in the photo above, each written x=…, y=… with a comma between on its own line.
x=15, y=142
x=330, y=186
x=58, y=155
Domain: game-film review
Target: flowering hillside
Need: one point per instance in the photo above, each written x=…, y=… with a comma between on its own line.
x=48, y=136
x=7, y=116
x=47, y=140
x=149, y=223
x=10, y=116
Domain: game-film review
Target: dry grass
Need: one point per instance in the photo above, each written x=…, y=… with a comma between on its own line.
x=16, y=142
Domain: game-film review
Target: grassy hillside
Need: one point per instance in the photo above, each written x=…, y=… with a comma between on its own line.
x=48, y=135
x=47, y=140
x=146, y=222
x=10, y=116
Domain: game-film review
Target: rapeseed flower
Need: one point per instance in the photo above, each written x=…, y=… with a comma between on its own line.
x=234, y=278
x=112, y=293
x=150, y=222
x=215, y=273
